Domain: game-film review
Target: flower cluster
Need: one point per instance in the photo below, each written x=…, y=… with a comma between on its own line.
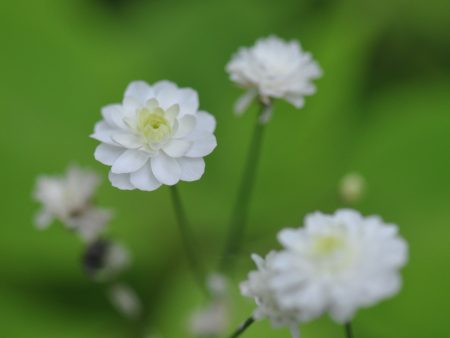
x=155, y=136
x=335, y=264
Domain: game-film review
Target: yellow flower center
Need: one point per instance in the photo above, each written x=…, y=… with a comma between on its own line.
x=153, y=125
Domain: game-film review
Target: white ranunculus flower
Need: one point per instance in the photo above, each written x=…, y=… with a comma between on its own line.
x=338, y=263
x=259, y=286
x=273, y=68
x=67, y=198
x=155, y=136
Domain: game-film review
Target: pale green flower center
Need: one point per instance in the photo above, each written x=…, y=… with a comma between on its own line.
x=325, y=245
x=153, y=124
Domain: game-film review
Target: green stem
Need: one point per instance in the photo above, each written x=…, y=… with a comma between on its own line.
x=187, y=239
x=244, y=326
x=348, y=330
x=241, y=208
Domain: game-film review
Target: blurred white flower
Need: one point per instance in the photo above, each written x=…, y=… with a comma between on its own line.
x=217, y=285
x=259, y=286
x=104, y=260
x=352, y=187
x=213, y=319
x=155, y=136
x=273, y=68
x=68, y=198
x=338, y=264
x=125, y=300
x=210, y=321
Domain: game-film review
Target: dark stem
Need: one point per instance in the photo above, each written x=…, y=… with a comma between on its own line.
x=244, y=326
x=241, y=208
x=348, y=330
x=187, y=239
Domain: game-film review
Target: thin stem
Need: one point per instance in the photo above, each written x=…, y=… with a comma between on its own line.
x=244, y=326
x=348, y=330
x=188, y=239
x=241, y=208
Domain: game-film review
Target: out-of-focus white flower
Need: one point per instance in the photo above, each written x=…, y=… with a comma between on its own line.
x=155, y=136
x=104, y=260
x=68, y=198
x=273, y=68
x=337, y=264
x=259, y=286
x=125, y=300
x=212, y=319
x=352, y=187
x=217, y=285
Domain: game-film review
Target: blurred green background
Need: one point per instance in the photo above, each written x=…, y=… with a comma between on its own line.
x=382, y=108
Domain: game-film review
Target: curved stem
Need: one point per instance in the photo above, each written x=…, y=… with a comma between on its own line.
x=244, y=326
x=241, y=208
x=348, y=330
x=187, y=239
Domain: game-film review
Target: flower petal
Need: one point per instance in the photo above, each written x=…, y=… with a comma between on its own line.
x=143, y=179
x=205, y=122
x=127, y=140
x=244, y=101
x=139, y=90
x=113, y=115
x=103, y=132
x=177, y=148
x=130, y=161
x=166, y=169
x=188, y=100
x=107, y=154
x=120, y=181
x=43, y=219
x=191, y=168
x=203, y=144
x=185, y=125
x=167, y=93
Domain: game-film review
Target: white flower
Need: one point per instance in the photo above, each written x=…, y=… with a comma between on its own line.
x=273, y=68
x=212, y=319
x=156, y=136
x=259, y=286
x=68, y=198
x=352, y=187
x=338, y=264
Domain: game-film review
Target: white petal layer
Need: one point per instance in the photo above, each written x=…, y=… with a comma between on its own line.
x=103, y=132
x=177, y=148
x=205, y=122
x=166, y=169
x=113, y=115
x=121, y=181
x=140, y=91
x=204, y=144
x=188, y=101
x=143, y=179
x=107, y=154
x=192, y=169
x=130, y=161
